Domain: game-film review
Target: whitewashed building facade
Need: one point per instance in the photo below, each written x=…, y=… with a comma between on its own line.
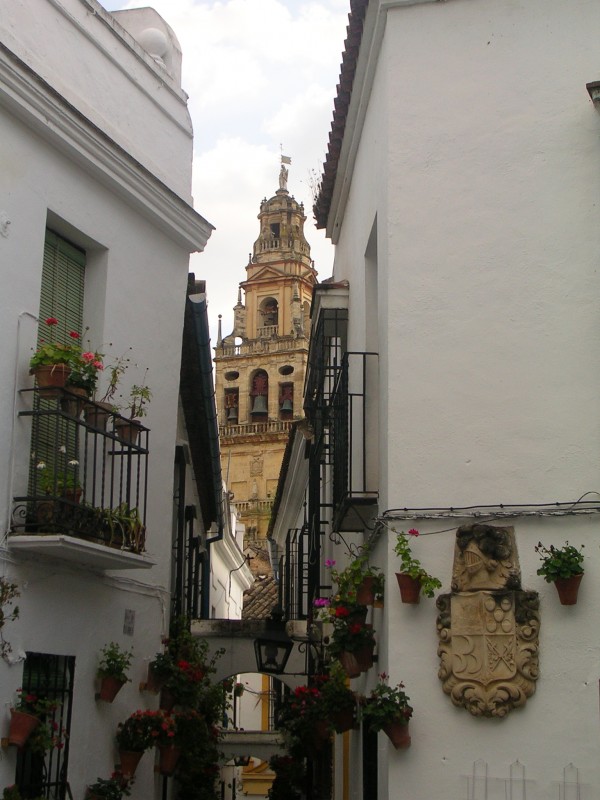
x=460, y=328
x=96, y=169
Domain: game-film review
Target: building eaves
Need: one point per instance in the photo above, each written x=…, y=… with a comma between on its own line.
x=356, y=18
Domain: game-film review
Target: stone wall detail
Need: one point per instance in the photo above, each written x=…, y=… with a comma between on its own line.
x=488, y=627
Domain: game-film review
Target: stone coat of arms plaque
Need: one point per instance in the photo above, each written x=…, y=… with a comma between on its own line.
x=488, y=627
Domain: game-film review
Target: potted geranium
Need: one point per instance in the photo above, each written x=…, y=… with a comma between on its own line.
x=160, y=669
x=112, y=671
x=413, y=579
x=51, y=362
x=301, y=716
x=134, y=737
x=352, y=643
x=562, y=566
x=114, y=788
x=164, y=735
x=338, y=702
x=27, y=715
x=359, y=582
x=387, y=708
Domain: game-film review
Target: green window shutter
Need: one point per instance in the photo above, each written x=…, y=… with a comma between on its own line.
x=63, y=278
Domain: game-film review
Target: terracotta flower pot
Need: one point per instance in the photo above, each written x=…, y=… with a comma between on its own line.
x=168, y=756
x=343, y=720
x=129, y=759
x=153, y=682
x=97, y=415
x=128, y=430
x=109, y=688
x=364, y=657
x=73, y=406
x=349, y=663
x=22, y=725
x=568, y=589
x=322, y=732
x=410, y=588
x=365, y=594
x=397, y=733
x=50, y=377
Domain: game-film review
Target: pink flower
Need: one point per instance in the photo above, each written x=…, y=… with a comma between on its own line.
x=51, y=321
x=98, y=365
x=413, y=532
x=321, y=602
x=330, y=563
x=88, y=356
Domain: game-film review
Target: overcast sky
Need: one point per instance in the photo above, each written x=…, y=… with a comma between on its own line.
x=259, y=74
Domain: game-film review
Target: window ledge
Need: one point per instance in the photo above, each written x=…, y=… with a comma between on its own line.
x=60, y=547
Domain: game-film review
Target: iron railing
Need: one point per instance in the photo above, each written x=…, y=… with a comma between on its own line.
x=354, y=434
x=88, y=473
x=293, y=571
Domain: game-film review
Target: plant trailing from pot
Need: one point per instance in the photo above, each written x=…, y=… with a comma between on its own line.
x=135, y=734
x=301, y=715
x=130, y=525
x=114, y=788
x=413, y=568
x=562, y=566
x=112, y=670
x=388, y=708
x=8, y=594
x=359, y=582
x=29, y=714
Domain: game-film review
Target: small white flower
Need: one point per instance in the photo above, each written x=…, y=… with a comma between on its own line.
x=62, y=448
x=40, y=465
x=74, y=463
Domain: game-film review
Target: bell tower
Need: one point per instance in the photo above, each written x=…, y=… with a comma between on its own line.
x=260, y=365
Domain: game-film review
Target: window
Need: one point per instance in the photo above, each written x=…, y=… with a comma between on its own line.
x=45, y=774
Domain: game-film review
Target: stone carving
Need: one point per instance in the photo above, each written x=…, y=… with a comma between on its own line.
x=256, y=465
x=488, y=628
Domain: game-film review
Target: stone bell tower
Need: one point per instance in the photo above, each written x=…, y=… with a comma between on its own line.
x=260, y=365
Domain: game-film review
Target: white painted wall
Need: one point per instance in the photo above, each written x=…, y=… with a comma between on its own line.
x=61, y=167
x=479, y=161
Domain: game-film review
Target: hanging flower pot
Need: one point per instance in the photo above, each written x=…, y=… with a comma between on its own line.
x=568, y=589
x=410, y=588
x=154, y=683
x=364, y=657
x=343, y=720
x=365, y=593
x=168, y=757
x=349, y=663
x=22, y=725
x=129, y=759
x=109, y=688
x=397, y=733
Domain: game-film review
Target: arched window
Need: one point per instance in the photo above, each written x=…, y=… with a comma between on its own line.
x=269, y=313
x=259, y=396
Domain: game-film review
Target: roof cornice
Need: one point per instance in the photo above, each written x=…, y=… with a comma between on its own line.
x=55, y=120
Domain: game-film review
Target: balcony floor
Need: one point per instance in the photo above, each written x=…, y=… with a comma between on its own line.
x=76, y=552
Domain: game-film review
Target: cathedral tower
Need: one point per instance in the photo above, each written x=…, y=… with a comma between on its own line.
x=260, y=365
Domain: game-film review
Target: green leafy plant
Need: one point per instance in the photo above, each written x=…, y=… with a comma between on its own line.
x=49, y=353
x=114, y=662
x=57, y=481
x=85, y=370
x=114, y=788
x=559, y=562
x=335, y=695
x=386, y=704
x=412, y=566
x=349, y=580
x=31, y=703
x=349, y=635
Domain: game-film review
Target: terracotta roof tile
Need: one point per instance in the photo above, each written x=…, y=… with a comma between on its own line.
x=260, y=598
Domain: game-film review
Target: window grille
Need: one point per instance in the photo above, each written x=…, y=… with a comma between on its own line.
x=45, y=775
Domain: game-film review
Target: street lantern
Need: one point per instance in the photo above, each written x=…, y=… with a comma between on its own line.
x=274, y=647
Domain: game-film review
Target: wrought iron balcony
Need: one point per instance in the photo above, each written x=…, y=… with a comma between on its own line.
x=354, y=436
x=86, y=495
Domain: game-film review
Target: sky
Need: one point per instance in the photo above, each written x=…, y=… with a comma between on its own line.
x=261, y=78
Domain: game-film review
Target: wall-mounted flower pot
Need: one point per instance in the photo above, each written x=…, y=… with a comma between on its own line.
x=167, y=700
x=343, y=720
x=364, y=657
x=153, y=682
x=397, y=733
x=128, y=760
x=349, y=663
x=128, y=430
x=22, y=725
x=50, y=377
x=365, y=593
x=97, y=415
x=410, y=588
x=73, y=406
x=167, y=759
x=568, y=589
x=109, y=688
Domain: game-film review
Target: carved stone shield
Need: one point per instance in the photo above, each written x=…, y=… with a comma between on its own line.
x=488, y=635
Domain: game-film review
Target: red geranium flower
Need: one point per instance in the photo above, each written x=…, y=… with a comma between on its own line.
x=74, y=335
x=413, y=532
x=51, y=321
x=341, y=611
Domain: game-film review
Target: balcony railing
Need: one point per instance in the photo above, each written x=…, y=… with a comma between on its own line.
x=87, y=483
x=267, y=331
x=354, y=440
x=251, y=428
x=256, y=346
